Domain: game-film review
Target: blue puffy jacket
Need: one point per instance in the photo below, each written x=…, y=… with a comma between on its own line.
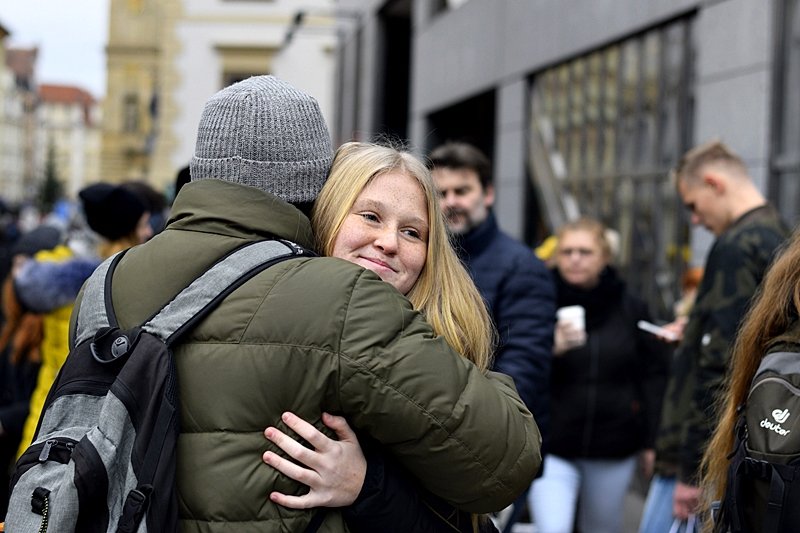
x=520, y=294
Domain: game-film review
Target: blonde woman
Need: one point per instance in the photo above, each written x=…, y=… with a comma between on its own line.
x=606, y=386
x=379, y=209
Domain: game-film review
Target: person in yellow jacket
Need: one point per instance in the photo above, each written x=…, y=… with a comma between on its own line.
x=49, y=283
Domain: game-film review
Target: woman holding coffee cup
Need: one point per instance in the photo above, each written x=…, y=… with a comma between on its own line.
x=607, y=381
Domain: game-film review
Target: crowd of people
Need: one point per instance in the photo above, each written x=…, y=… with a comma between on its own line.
x=424, y=371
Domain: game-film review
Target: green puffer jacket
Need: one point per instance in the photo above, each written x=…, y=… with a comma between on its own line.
x=311, y=335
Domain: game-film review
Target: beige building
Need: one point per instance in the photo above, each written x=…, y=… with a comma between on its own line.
x=22, y=64
x=34, y=118
x=69, y=120
x=12, y=130
x=165, y=58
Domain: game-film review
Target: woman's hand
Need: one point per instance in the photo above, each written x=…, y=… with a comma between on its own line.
x=567, y=336
x=335, y=468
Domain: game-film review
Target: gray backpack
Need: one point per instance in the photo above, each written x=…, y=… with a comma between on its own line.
x=103, y=456
x=763, y=486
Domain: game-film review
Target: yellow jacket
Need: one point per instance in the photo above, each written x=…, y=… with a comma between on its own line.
x=55, y=347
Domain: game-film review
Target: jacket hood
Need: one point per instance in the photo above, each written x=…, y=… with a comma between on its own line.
x=239, y=211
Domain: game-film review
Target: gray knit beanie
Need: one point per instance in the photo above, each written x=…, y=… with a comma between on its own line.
x=264, y=133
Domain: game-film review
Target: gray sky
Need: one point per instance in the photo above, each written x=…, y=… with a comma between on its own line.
x=71, y=36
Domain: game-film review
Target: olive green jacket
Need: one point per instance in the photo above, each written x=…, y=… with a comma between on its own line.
x=310, y=335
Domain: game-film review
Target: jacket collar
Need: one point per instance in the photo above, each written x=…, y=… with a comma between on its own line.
x=221, y=207
x=760, y=212
x=477, y=240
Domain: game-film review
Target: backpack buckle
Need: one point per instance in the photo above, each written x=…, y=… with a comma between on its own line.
x=110, y=344
x=757, y=468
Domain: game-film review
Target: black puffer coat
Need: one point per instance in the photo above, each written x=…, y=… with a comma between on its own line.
x=606, y=395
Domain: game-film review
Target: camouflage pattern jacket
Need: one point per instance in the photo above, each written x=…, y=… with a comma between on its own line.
x=734, y=268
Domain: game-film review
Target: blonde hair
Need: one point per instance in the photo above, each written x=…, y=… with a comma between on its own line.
x=595, y=228
x=444, y=291
x=773, y=310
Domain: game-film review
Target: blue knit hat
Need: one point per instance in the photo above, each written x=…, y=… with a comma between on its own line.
x=264, y=133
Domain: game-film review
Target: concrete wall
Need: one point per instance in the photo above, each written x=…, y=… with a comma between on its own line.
x=468, y=50
x=497, y=45
x=494, y=44
x=360, y=48
x=733, y=88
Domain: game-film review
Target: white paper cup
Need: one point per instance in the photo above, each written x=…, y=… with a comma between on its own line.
x=574, y=314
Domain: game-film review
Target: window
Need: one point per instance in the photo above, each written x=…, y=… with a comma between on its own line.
x=438, y=6
x=785, y=161
x=241, y=62
x=130, y=113
x=612, y=124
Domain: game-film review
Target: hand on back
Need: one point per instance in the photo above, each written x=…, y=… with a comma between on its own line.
x=334, y=469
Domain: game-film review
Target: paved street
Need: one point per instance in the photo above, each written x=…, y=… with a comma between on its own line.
x=633, y=512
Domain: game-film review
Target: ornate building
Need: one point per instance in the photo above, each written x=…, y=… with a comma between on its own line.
x=166, y=57
x=21, y=63
x=12, y=129
x=69, y=118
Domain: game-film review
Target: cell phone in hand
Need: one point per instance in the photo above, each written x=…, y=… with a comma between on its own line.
x=657, y=330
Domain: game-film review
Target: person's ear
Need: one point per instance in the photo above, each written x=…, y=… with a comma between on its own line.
x=488, y=195
x=715, y=181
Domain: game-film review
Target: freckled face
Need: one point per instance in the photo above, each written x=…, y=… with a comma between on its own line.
x=386, y=230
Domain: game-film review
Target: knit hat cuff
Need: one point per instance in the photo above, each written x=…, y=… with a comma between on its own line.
x=292, y=181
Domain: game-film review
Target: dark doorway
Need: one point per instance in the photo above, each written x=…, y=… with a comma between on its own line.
x=394, y=87
x=469, y=121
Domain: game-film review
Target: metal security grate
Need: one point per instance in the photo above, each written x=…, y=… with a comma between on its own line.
x=605, y=129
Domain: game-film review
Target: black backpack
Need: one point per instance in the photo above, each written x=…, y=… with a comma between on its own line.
x=763, y=488
x=103, y=456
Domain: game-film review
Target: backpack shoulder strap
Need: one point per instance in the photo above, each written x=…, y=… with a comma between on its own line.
x=93, y=313
x=780, y=363
x=197, y=300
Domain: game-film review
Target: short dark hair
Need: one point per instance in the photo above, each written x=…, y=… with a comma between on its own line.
x=461, y=155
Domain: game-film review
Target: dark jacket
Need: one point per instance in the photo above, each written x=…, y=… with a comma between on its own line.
x=520, y=295
x=734, y=268
x=310, y=335
x=390, y=501
x=606, y=394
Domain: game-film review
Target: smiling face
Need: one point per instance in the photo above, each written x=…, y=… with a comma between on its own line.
x=386, y=230
x=580, y=258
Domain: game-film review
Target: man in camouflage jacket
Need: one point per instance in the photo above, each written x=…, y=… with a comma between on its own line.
x=714, y=185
